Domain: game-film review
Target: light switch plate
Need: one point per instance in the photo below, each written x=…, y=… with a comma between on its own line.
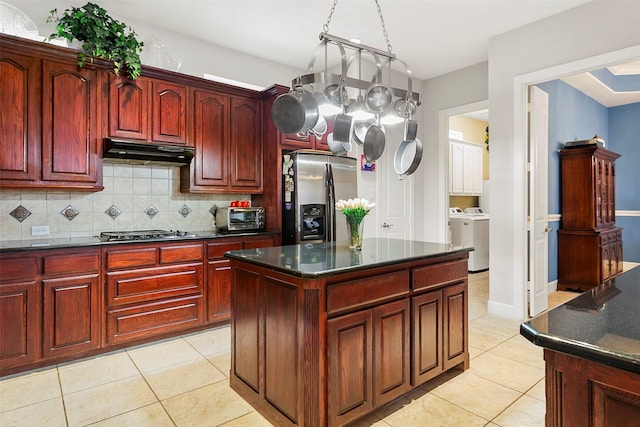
x=39, y=230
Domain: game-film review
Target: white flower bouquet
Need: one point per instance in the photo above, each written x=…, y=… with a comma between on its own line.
x=354, y=211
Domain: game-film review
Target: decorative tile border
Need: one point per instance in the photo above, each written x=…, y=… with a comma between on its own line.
x=69, y=212
x=184, y=211
x=113, y=211
x=20, y=213
x=151, y=211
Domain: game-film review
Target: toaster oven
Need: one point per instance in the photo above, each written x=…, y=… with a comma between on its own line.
x=240, y=219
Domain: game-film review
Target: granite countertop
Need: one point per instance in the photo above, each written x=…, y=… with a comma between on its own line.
x=74, y=242
x=601, y=325
x=313, y=260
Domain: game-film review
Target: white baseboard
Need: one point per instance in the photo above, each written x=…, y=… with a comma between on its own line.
x=503, y=310
x=552, y=286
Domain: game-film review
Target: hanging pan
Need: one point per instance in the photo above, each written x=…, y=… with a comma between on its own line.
x=407, y=157
x=374, y=141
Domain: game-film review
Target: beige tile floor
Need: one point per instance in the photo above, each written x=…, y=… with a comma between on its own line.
x=184, y=381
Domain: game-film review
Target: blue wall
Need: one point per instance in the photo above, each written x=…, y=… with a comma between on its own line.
x=624, y=139
x=572, y=116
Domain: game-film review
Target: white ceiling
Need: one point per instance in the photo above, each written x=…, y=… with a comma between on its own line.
x=433, y=37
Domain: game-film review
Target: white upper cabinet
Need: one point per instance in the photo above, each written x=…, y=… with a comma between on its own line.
x=465, y=168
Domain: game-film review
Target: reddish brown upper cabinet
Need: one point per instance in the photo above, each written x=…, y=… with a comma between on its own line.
x=147, y=109
x=69, y=123
x=228, y=141
x=129, y=107
x=19, y=117
x=589, y=243
x=51, y=117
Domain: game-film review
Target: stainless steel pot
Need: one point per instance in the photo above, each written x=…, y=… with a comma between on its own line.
x=295, y=112
x=407, y=157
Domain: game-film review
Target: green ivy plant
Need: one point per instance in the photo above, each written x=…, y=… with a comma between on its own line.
x=101, y=36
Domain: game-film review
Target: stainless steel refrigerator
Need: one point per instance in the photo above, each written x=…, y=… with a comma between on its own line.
x=311, y=185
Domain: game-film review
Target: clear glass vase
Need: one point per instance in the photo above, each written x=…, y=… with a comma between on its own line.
x=355, y=228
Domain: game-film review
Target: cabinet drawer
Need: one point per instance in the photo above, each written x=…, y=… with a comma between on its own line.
x=71, y=263
x=156, y=318
x=439, y=274
x=18, y=267
x=150, y=284
x=361, y=292
x=181, y=253
x=139, y=257
x=216, y=250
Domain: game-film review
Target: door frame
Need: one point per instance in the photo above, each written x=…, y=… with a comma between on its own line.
x=443, y=127
x=521, y=85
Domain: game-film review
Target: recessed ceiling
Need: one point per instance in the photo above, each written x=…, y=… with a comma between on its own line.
x=612, y=86
x=433, y=37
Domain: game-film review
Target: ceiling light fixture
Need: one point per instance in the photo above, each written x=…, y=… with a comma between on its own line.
x=322, y=94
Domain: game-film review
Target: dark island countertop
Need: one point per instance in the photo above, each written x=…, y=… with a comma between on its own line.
x=601, y=325
x=314, y=260
x=76, y=242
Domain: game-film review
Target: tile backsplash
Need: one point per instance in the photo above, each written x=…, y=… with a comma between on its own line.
x=135, y=197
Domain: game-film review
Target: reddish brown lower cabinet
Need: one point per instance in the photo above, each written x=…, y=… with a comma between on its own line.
x=585, y=393
x=427, y=336
x=327, y=350
x=218, y=288
x=20, y=323
x=152, y=289
x=49, y=306
x=373, y=346
x=71, y=315
x=61, y=304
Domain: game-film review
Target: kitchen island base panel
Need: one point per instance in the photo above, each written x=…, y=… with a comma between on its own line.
x=302, y=357
x=580, y=392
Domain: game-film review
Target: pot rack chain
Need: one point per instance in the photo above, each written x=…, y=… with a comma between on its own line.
x=325, y=27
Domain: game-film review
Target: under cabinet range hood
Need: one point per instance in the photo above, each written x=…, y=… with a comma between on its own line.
x=126, y=151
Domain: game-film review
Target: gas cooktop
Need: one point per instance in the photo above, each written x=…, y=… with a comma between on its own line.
x=109, y=236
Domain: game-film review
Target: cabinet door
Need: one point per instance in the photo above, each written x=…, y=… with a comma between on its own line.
x=19, y=324
x=427, y=336
x=296, y=142
x=71, y=315
x=259, y=242
x=349, y=360
x=211, y=135
x=219, y=291
x=19, y=117
x=129, y=107
x=391, y=351
x=456, y=168
x=69, y=123
x=455, y=328
x=605, y=260
x=169, y=102
x=246, y=145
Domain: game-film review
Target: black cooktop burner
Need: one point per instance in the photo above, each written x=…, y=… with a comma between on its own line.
x=109, y=236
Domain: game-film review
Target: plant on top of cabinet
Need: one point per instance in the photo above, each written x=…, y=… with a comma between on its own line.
x=101, y=36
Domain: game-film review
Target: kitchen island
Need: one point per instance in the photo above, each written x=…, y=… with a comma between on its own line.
x=323, y=335
x=592, y=354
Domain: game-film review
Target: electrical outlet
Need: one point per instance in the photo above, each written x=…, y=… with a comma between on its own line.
x=39, y=230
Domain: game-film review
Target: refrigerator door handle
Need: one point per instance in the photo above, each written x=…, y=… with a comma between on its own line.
x=331, y=214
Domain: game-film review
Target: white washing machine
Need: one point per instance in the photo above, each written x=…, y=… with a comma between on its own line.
x=471, y=228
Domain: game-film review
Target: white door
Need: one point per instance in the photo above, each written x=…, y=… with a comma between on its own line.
x=395, y=195
x=538, y=202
